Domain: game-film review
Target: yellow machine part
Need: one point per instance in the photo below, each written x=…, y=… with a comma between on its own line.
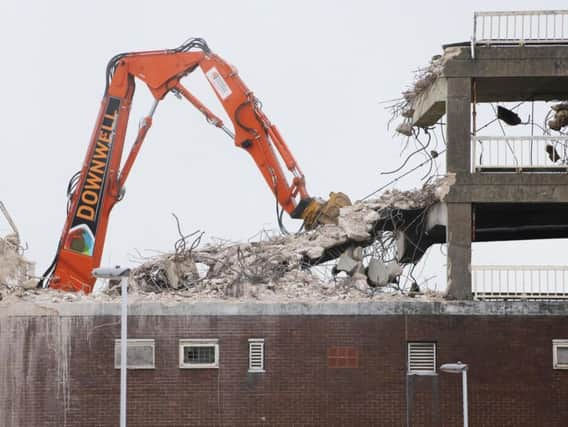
x=318, y=212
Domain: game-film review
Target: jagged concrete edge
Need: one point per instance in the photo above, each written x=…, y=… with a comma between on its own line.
x=454, y=308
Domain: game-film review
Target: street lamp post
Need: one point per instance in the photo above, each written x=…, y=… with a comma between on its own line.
x=122, y=274
x=457, y=368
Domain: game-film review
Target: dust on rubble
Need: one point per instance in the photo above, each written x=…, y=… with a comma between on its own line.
x=15, y=270
x=273, y=269
x=424, y=79
x=560, y=118
x=284, y=267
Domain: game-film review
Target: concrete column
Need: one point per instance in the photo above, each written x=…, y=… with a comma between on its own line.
x=459, y=250
x=458, y=117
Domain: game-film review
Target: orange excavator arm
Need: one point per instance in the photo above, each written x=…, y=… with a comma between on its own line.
x=101, y=181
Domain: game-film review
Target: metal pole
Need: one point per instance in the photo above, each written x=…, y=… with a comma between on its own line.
x=464, y=391
x=123, y=349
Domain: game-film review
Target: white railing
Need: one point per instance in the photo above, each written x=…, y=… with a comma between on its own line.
x=519, y=153
x=538, y=26
x=519, y=282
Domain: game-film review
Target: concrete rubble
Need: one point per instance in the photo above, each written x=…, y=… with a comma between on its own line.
x=276, y=268
x=15, y=270
x=560, y=118
x=286, y=266
x=424, y=79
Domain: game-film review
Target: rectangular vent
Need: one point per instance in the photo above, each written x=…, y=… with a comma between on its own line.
x=256, y=355
x=139, y=353
x=560, y=354
x=422, y=358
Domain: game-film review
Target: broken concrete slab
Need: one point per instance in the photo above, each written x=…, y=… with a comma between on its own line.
x=380, y=273
x=14, y=268
x=560, y=118
x=424, y=103
x=349, y=262
x=430, y=105
x=280, y=265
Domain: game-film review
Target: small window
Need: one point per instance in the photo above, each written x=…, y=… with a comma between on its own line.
x=199, y=353
x=342, y=357
x=422, y=358
x=139, y=353
x=256, y=355
x=560, y=354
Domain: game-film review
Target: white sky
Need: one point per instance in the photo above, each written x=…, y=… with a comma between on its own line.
x=320, y=68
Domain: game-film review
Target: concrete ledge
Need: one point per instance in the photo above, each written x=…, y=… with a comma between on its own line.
x=512, y=193
x=512, y=179
x=509, y=61
x=430, y=106
x=379, y=308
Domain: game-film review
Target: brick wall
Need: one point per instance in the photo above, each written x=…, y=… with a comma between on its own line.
x=59, y=371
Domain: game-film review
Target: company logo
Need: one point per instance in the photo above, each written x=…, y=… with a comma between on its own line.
x=83, y=231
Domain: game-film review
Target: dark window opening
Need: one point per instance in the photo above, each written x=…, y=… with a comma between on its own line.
x=199, y=354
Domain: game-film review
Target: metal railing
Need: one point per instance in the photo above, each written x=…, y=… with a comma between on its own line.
x=519, y=282
x=522, y=27
x=519, y=153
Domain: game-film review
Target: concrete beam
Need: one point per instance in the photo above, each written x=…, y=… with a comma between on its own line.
x=459, y=232
x=510, y=61
x=513, y=73
x=504, y=89
x=459, y=125
x=487, y=178
x=507, y=193
x=430, y=106
x=513, y=187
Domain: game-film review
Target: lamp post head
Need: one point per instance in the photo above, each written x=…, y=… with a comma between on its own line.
x=111, y=272
x=454, y=368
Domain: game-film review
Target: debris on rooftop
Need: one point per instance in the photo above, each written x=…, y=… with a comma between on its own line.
x=287, y=266
x=424, y=79
x=15, y=270
x=346, y=261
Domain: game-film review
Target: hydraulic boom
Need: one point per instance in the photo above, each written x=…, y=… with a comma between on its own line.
x=99, y=186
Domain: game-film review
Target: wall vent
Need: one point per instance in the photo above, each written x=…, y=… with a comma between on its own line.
x=422, y=358
x=560, y=354
x=139, y=353
x=256, y=355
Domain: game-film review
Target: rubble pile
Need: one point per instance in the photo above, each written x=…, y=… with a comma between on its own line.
x=283, y=266
x=274, y=267
x=15, y=270
x=296, y=267
x=423, y=80
x=428, y=195
x=560, y=118
x=219, y=269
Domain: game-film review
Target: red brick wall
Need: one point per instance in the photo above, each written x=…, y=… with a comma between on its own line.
x=511, y=380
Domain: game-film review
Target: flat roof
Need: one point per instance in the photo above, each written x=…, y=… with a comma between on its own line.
x=212, y=308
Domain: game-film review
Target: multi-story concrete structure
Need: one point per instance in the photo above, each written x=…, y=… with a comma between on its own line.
x=506, y=188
